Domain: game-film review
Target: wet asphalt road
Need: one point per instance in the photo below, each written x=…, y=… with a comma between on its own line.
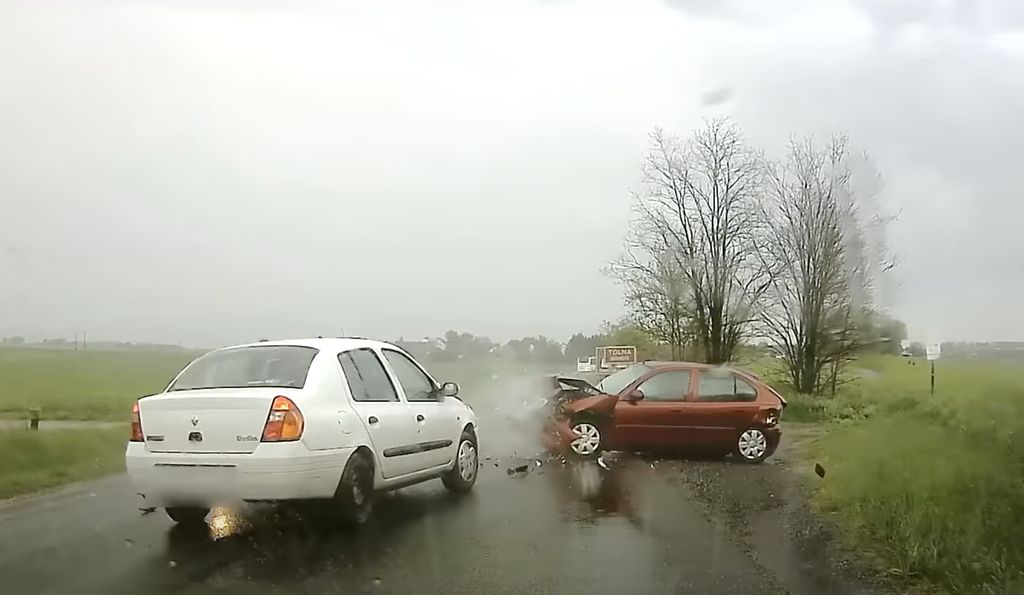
x=644, y=525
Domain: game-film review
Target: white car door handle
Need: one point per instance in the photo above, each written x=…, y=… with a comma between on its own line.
x=419, y=417
x=373, y=419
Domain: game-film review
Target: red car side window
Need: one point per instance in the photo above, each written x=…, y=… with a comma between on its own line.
x=671, y=385
x=724, y=387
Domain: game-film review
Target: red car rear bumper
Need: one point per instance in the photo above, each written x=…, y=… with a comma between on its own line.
x=774, y=436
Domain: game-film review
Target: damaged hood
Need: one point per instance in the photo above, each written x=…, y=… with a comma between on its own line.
x=600, y=404
x=575, y=395
x=569, y=383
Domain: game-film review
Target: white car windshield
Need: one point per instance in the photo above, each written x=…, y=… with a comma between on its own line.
x=282, y=366
x=614, y=384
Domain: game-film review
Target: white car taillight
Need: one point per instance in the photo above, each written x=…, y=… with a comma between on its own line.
x=137, y=435
x=284, y=423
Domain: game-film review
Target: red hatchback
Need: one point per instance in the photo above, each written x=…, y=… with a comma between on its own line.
x=667, y=406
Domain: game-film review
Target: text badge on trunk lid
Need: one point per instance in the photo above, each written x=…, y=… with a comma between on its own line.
x=206, y=421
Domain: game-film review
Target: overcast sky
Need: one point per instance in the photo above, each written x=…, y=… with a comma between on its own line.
x=212, y=172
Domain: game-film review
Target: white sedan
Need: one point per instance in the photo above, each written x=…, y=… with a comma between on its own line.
x=334, y=420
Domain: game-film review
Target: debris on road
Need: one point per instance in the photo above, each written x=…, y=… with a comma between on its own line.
x=603, y=465
x=172, y=563
x=538, y=462
x=146, y=510
x=515, y=470
x=819, y=470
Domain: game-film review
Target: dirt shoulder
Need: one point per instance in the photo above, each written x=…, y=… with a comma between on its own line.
x=767, y=510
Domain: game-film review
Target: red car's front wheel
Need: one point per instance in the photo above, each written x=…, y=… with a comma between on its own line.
x=587, y=442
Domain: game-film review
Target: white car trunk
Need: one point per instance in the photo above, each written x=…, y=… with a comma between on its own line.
x=207, y=420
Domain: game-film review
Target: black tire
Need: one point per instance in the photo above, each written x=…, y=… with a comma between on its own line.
x=187, y=515
x=353, y=499
x=751, y=446
x=592, y=435
x=463, y=474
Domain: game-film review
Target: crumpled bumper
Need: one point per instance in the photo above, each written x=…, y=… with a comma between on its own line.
x=557, y=435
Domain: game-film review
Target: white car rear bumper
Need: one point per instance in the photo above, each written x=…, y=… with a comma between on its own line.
x=282, y=471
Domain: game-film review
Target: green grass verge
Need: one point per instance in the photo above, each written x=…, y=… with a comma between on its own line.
x=89, y=385
x=931, y=484
x=43, y=459
x=101, y=385
x=86, y=385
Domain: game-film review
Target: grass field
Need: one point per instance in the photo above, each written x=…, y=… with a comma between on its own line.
x=101, y=385
x=37, y=460
x=934, y=485
x=86, y=385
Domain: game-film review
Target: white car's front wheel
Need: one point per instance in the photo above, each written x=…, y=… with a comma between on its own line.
x=467, y=464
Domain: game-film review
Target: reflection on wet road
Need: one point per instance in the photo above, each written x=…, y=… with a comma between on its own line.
x=637, y=527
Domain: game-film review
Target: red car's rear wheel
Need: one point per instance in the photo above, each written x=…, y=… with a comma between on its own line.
x=752, y=445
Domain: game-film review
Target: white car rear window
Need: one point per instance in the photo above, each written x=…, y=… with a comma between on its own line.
x=284, y=366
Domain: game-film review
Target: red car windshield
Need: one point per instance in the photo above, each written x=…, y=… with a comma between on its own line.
x=615, y=383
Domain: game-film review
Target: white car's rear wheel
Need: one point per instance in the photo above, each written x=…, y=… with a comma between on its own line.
x=187, y=515
x=354, y=497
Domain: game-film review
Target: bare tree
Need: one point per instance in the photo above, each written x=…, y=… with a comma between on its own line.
x=822, y=258
x=656, y=294
x=698, y=218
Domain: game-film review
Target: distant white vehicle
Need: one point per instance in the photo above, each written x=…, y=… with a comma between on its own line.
x=335, y=420
x=586, y=364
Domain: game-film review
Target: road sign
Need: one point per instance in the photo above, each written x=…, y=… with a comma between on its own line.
x=616, y=356
x=933, y=350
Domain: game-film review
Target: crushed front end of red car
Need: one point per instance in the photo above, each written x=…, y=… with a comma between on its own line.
x=557, y=435
x=572, y=397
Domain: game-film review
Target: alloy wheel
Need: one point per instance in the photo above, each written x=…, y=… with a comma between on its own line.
x=467, y=460
x=752, y=444
x=588, y=439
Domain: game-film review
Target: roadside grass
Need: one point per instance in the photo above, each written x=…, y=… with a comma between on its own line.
x=36, y=460
x=931, y=484
x=86, y=385
x=101, y=385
